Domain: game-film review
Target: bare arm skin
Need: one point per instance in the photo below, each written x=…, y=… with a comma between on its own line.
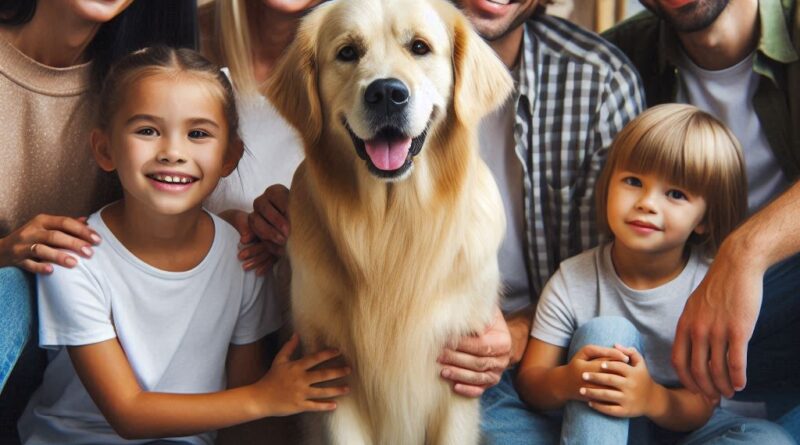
x=133, y=413
x=710, y=350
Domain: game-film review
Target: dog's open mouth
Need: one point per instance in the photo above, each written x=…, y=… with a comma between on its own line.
x=390, y=153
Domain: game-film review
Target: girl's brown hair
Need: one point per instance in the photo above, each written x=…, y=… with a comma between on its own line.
x=171, y=61
x=691, y=149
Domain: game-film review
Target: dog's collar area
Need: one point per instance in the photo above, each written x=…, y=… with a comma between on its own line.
x=387, y=133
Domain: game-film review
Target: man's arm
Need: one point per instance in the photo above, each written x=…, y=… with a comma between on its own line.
x=710, y=350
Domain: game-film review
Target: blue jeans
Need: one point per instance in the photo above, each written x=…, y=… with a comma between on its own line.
x=19, y=351
x=773, y=359
x=16, y=318
x=508, y=421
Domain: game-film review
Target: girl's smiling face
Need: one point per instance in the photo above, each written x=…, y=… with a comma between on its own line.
x=649, y=215
x=168, y=142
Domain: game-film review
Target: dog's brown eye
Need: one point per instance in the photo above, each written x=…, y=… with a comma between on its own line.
x=420, y=48
x=347, y=54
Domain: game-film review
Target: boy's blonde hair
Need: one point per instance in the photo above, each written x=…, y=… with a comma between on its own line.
x=690, y=149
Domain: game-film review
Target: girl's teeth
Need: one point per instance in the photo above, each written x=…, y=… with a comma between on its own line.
x=501, y=2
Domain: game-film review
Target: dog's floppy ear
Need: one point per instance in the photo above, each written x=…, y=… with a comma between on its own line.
x=482, y=81
x=292, y=87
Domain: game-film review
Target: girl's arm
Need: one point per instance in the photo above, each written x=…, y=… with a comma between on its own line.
x=134, y=413
x=631, y=392
x=545, y=384
x=245, y=365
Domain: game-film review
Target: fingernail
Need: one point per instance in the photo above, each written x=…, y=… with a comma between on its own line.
x=285, y=229
x=585, y=376
x=446, y=373
x=95, y=238
x=604, y=365
x=86, y=251
x=70, y=262
x=582, y=391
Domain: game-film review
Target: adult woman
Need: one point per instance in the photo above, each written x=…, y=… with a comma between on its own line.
x=53, y=55
x=248, y=37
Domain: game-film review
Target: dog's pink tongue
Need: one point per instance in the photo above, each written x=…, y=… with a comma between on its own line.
x=388, y=155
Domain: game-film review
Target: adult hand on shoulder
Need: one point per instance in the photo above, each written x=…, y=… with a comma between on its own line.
x=41, y=242
x=254, y=254
x=269, y=220
x=478, y=361
x=710, y=349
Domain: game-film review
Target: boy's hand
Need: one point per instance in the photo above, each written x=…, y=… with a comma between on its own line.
x=628, y=386
x=588, y=360
x=289, y=386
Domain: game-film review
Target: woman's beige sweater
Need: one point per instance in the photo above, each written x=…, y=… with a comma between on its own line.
x=46, y=165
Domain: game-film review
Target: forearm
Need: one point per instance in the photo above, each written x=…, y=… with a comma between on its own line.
x=770, y=235
x=678, y=409
x=519, y=327
x=545, y=388
x=154, y=415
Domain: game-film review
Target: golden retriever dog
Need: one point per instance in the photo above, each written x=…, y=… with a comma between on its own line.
x=396, y=221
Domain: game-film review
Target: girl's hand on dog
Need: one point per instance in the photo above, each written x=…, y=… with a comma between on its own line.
x=254, y=254
x=289, y=387
x=269, y=220
x=42, y=242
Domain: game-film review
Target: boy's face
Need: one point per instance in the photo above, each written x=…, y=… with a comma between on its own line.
x=494, y=19
x=687, y=15
x=167, y=143
x=648, y=215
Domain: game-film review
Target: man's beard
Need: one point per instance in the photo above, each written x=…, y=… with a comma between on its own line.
x=692, y=17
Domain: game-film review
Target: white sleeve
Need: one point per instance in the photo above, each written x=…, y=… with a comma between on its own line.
x=253, y=323
x=73, y=309
x=554, y=321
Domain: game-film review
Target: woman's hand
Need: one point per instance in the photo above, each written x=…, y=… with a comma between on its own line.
x=42, y=242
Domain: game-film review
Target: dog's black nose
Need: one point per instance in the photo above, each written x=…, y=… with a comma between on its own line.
x=386, y=95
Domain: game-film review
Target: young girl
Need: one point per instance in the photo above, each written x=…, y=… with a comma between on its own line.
x=149, y=332
x=672, y=189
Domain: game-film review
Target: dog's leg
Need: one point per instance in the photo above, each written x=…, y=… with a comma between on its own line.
x=459, y=424
x=347, y=426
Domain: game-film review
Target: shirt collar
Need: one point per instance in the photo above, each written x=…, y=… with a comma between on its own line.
x=775, y=42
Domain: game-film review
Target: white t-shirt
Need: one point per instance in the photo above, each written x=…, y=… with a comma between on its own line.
x=273, y=150
x=587, y=286
x=498, y=150
x=175, y=329
x=711, y=92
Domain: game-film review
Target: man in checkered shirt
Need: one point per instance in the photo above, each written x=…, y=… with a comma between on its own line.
x=546, y=147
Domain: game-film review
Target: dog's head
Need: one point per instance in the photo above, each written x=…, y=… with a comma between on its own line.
x=384, y=75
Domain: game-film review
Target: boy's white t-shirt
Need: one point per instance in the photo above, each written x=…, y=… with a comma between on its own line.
x=175, y=329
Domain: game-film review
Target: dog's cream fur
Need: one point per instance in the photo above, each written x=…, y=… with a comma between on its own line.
x=389, y=271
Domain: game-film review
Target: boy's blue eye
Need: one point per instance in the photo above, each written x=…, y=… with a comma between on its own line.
x=632, y=180
x=147, y=131
x=198, y=134
x=676, y=194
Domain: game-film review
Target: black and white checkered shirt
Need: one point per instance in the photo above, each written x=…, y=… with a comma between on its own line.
x=575, y=92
